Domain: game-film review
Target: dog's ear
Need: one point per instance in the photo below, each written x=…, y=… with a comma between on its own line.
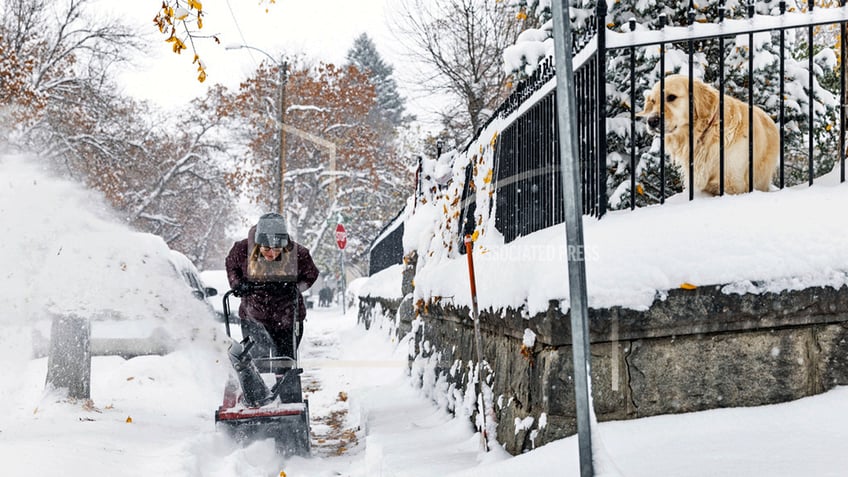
x=706, y=100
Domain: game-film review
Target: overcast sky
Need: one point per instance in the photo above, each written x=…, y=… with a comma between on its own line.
x=321, y=29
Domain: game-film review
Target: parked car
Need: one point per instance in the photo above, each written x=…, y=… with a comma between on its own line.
x=145, y=311
x=192, y=277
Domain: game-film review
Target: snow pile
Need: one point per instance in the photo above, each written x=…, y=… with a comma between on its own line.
x=386, y=284
x=529, y=339
x=530, y=48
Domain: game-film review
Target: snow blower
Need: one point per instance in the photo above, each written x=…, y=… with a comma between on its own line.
x=251, y=410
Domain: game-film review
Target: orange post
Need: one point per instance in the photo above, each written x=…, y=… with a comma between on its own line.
x=478, y=345
x=469, y=246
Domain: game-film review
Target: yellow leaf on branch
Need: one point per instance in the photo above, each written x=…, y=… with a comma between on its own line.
x=201, y=69
x=178, y=44
x=687, y=286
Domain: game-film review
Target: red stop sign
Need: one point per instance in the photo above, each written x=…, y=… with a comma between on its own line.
x=341, y=236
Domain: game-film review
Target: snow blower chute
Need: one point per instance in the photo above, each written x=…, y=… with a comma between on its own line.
x=253, y=411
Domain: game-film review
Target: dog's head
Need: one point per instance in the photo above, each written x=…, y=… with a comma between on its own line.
x=677, y=105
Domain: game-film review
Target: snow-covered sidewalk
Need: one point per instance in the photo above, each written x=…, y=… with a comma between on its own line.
x=153, y=415
x=398, y=431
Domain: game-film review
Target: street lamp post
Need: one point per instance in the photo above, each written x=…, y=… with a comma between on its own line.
x=281, y=168
x=279, y=181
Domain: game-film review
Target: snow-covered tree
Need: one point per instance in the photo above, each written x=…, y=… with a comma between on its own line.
x=324, y=104
x=55, y=63
x=19, y=101
x=458, y=44
x=178, y=186
x=56, y=52
x=389, y=107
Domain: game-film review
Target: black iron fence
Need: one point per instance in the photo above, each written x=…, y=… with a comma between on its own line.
x=387, y=247
x=787, y=59
x=744, y=53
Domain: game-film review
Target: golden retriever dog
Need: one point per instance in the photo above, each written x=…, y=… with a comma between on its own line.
x=706, y=131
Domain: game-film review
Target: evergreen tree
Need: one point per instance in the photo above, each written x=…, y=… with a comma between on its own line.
x=389, y=107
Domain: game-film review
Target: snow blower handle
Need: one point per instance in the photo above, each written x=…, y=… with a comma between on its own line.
x=241, y=289
x=226, y=301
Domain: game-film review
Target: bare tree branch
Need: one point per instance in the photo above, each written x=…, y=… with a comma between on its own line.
x=458, y=46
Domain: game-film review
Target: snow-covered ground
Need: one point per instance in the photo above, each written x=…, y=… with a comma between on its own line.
x=154, y=415
x=383, y=425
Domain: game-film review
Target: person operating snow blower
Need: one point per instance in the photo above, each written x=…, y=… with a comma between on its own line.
x=269, y=271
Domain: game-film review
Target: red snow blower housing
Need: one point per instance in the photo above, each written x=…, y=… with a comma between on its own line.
x=253, y=411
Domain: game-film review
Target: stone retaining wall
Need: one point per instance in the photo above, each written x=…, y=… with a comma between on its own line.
x=693, y=350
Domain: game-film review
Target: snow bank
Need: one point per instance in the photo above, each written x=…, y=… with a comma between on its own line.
x=64, y=252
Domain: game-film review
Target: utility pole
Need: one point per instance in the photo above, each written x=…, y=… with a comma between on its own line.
x=281, y=165
x=282, y=66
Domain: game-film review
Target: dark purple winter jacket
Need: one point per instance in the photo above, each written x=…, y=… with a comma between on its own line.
x=271, y=308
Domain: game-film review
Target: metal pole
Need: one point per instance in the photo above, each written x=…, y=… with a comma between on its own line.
x=417, y=183
x=282, y=66
x=721, y=12
x=566, y=119
x=281, y=166
x=810, y=148
x=842, y=93
x=344, y=281
x=751, y=103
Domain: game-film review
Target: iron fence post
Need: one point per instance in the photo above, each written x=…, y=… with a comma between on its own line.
x=601, y=164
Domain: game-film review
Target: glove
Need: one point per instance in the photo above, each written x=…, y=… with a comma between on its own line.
x=242, y=288
x=280, y=287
